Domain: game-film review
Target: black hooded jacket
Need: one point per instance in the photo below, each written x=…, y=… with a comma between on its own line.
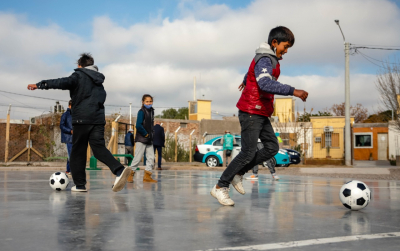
x=87, y=93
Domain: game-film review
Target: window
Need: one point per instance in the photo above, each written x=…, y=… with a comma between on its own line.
x=238, y=142
x=330, y=139
x=289, y=139
x=193, y=107
x=183, y=125
x=363, y=140
x=217, y=142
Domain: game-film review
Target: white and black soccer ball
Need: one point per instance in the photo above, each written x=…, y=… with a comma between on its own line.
x=59, y=181
x=355, y=195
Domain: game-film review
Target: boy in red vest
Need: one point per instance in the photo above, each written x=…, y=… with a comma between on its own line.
x=256, y=105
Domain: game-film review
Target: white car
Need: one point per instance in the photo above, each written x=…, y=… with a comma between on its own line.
x=211, y=153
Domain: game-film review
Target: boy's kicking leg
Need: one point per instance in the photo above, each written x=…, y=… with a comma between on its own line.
x=251, y=126
x=97, y=143
x=270, y=149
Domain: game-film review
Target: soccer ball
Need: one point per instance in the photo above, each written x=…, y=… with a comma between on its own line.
x=59, y=181
x=355, y=195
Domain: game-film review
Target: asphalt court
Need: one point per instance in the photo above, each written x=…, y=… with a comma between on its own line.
x=178, y=213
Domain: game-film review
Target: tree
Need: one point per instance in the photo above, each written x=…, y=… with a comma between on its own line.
x=388, y=86
x=381, y=117
x=359, y=112
x=171, y=113
x=305, y=117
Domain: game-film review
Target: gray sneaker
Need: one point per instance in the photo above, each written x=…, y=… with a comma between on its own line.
x=237, y=183
x=274, y=176
x=222, y=195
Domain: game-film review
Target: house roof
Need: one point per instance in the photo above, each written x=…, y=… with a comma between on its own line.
x=361, y=125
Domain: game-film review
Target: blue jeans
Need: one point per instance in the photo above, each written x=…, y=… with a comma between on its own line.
x=253, y=127
x=69, y=149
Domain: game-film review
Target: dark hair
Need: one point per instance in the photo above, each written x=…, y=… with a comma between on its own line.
x=86, y=59
x=281, y=34
x=146, y=96
x=70, y=103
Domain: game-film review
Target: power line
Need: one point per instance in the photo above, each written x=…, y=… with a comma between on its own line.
x=375, y=48
x=375, y=58
x=32, y=96
x=67, y=101
x=375, y=45
x=17, y=101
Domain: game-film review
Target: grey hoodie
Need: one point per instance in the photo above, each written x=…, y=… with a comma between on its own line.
x=263, y=72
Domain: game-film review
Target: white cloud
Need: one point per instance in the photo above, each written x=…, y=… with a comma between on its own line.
x=161, y=57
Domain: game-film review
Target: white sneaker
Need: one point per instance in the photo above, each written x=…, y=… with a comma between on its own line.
x=222, y=195
x=74, y=189
x=252, y=177
x=237, y=183
x=120, y=181
x=274, y=176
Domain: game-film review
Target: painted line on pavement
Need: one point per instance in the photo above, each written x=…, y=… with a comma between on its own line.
x=293, y=244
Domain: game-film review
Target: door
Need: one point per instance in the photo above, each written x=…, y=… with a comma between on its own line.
x=382, y=146
x=236, y=147
x=218, y=146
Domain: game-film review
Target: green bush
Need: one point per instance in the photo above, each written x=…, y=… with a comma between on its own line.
x=169, y=150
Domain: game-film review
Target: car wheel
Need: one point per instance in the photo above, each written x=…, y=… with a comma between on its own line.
x=212, y=161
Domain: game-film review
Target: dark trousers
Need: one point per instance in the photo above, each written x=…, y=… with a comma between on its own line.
x=94, y=134
x=69, y=149
x=253, y=127
x=159, y=150
x=128, y=150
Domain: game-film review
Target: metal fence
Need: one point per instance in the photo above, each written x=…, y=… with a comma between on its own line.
x=313, y=143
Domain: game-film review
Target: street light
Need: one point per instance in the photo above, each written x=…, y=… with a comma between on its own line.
x=347, y=139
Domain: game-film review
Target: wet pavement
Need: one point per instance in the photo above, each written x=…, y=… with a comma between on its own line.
x=178, y=213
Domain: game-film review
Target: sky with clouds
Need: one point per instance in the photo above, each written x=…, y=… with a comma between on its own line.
x=159, y=46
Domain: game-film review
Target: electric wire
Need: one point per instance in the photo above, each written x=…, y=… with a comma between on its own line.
x=375, y=58
x=112, y=105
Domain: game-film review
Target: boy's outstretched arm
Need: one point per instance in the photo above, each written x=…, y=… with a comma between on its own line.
x=263, y=72
x=67, y=83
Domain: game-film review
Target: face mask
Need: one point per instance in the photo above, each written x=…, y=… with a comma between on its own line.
x=148, y=106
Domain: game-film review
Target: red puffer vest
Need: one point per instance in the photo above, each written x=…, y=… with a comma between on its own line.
x=253, y=99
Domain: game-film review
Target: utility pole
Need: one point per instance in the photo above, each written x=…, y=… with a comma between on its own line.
x=130, y=115
x=194, y=89
x=347, y=134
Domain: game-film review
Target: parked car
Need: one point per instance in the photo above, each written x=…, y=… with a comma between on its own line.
x=211, y=153
x=295, y=156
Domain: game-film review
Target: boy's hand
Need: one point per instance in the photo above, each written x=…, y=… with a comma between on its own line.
x=32, y=87
x=241, y=87
x=300, y=94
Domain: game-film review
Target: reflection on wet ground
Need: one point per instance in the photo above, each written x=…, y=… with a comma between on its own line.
x=179, y=214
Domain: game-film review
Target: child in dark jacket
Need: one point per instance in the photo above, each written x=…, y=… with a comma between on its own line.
x=144, y=139
x=66, y=133
x=87, y=92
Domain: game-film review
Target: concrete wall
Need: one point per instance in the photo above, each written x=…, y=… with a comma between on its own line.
x=42, y=136
x=284, y=109
x=220, y=126
x=394, y=141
